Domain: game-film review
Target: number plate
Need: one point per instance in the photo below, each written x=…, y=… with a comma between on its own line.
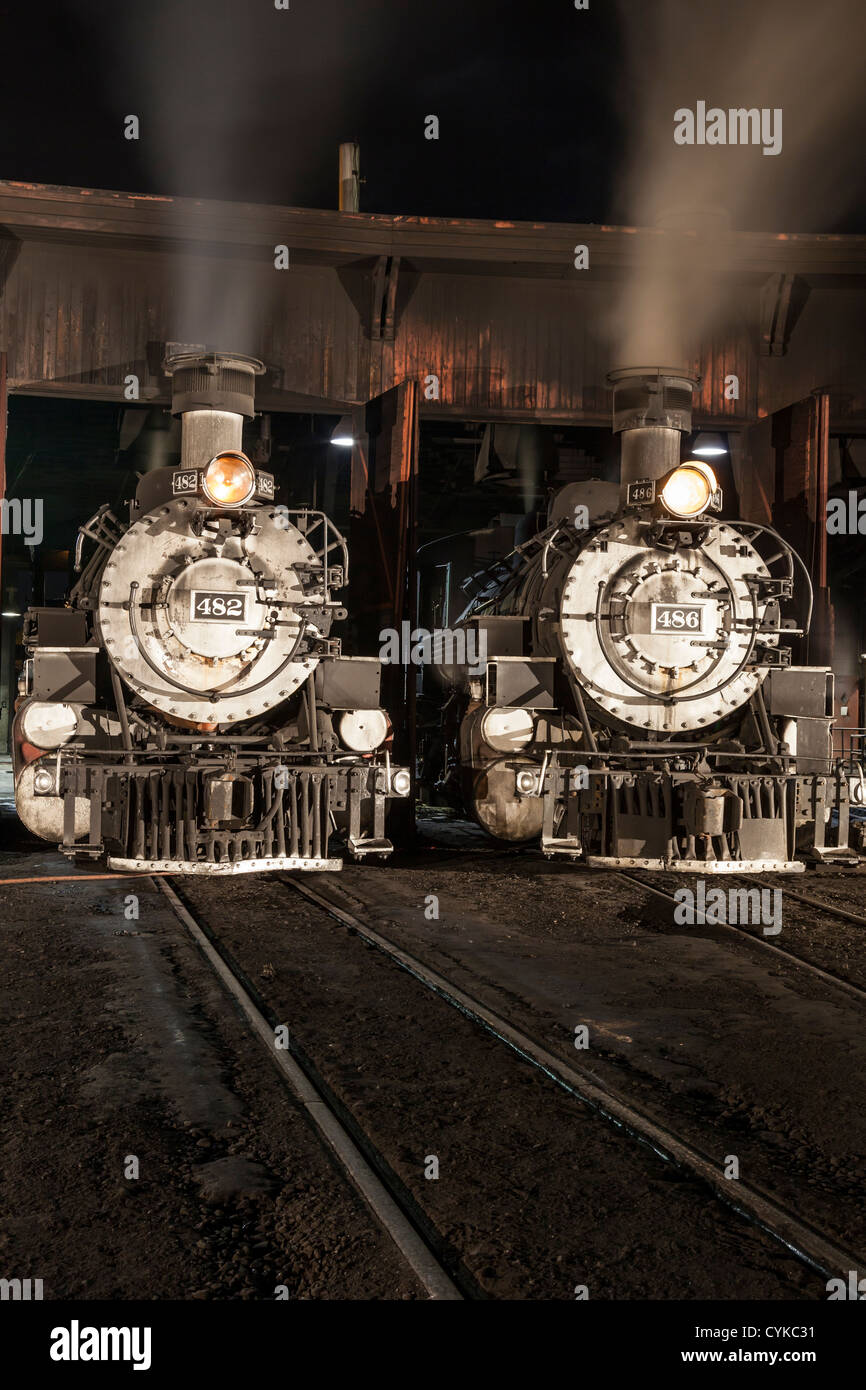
x=208, y=606
x=185, y=481
x=641, y=492
x=677, y=617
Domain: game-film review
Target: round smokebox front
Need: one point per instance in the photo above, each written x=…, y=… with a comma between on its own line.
x=205, y=625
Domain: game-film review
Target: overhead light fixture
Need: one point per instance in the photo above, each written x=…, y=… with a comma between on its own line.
x=709, y=445
x=343, y=434
x=7, y=613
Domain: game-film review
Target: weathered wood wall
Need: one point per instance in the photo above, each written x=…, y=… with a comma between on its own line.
x=92, y=286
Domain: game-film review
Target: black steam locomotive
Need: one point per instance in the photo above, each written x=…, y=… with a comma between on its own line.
x=636, y=705
x=188, y=709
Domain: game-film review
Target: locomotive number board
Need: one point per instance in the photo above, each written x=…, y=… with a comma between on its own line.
x=640, y=492
x=185, y=481
x=677, y=617
x=206, y=605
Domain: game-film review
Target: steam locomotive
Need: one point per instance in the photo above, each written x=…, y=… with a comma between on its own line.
x=637, y=705
x=188, y=709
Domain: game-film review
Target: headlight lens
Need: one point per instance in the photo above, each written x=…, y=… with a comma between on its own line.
x=229, y=480
x=48, y=725
x=401, y=782
x=689, y=489
x=507, y=728
x=43, y=781
x=527, y=783
x=362, y=730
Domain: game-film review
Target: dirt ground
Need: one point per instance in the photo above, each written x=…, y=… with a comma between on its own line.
x=534, y=1193
x=120, y=1045
x=738, y=1050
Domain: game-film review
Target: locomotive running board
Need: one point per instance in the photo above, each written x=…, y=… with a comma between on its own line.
x=699, y=866
x=238, y=866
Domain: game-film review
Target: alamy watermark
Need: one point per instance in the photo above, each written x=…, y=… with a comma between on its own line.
x=20, y=1290
x=846, y=516
x=77, y=1343
x=22, y=516
x=734, y=126
x=756, y=907
x=441, y=646
x=854, y=1289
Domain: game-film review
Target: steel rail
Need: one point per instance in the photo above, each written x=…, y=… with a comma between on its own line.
x=818, y=902
x=417, y=1254
x=804, y=1241
x=826, y=976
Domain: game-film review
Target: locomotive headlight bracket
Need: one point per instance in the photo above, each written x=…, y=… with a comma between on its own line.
x=689, y=490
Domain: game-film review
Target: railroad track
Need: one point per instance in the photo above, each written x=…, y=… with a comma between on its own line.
x=828, y=977
x=783, y=1225
x=382, y=1198
x=830, y=908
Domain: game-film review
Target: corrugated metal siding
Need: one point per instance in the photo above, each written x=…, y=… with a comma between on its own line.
x=80, y=318
x=508, y=344
x=541, y=346
x=72, y=316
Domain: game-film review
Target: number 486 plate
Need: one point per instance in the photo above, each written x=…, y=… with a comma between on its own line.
x=677, y=617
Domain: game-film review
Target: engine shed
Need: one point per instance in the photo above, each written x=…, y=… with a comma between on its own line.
x=464, y=361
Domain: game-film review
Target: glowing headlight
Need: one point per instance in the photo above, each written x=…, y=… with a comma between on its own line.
x=362, y=730
x=48, y=725
x=229, y=480
x=689, y=489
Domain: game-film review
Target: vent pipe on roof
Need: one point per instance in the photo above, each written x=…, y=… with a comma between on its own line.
x=350, y=177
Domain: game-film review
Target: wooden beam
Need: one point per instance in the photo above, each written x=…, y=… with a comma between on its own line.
x=3, y=407
x=335, y=238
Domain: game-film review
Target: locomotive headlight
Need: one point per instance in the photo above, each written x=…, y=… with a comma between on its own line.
x=507, y=728
x=43, y=781
x=48, y=725
x=362, y=730
x=229, y=480
x=401, y=782
x=689, y=488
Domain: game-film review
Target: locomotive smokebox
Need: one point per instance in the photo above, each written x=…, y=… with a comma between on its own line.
x=213, y=393
x=652, y=409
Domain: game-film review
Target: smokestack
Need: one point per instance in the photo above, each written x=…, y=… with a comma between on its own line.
x=350, y=177
x=652, y=409
x=213, y=393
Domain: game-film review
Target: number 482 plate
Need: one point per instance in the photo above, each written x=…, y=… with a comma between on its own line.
x=206, y=605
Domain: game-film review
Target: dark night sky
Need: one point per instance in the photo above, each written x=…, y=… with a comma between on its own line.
x=241, y=101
